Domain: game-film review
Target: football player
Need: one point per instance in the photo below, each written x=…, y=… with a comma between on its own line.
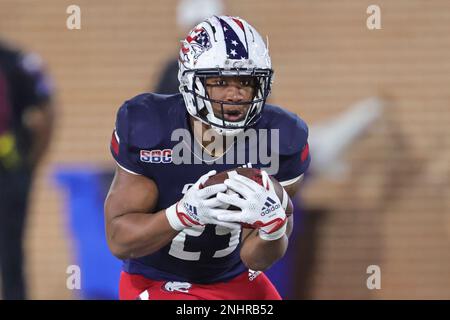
x=178, y=239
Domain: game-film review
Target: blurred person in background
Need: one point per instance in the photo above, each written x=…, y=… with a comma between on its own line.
x=26, y=121
x=189, y=13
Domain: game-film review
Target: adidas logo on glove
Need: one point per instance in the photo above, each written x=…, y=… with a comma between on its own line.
x=191, y=210
x=269, y=206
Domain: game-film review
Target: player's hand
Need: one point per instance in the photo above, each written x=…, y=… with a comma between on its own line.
x=199, y=206
x=260, y=206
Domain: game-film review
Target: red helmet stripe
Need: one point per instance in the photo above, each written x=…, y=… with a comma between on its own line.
x=239, y=23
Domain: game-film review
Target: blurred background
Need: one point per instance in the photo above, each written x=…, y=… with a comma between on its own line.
x=377, y=103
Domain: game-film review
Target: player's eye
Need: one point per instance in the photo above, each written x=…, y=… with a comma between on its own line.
x=217, y=82
x=247, y=83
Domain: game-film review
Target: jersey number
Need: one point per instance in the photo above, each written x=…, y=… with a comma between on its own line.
x=178, y=243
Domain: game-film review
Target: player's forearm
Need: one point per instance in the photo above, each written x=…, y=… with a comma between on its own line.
x=259, y=254
x=135, y=235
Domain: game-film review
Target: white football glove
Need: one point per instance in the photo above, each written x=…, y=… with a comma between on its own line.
x=196, y=206
x=260, y=208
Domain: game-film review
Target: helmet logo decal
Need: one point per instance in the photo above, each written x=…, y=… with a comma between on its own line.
x=236, y=49
x=198, y=41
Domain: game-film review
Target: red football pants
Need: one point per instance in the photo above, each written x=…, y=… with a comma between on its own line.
x=134, y=287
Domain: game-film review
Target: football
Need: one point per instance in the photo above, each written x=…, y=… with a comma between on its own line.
x=255, y=175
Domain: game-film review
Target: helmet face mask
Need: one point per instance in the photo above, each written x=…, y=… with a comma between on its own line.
x=203, y=99
x=212, y=50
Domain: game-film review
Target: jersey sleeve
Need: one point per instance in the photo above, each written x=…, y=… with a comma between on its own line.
x=126, y=156
x=292, y=167
x=34, y=84
x=295, y=158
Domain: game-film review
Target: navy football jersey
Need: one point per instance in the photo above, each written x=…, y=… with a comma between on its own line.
x=150, y=139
